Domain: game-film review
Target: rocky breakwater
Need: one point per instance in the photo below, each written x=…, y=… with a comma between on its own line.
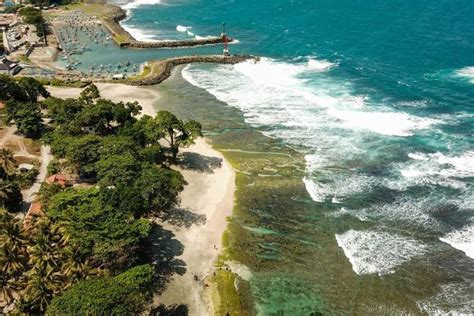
x=116, y=14
x=161, y=70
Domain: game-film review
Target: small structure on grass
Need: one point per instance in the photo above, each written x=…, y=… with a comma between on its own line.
x=9, y=67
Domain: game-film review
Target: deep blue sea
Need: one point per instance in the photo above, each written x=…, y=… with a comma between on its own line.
x=377, y=94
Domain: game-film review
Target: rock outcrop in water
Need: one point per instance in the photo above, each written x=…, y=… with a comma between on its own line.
x=124, y=39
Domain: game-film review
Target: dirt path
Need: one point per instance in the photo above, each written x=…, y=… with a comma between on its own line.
x=46, y=157
x=8, y=135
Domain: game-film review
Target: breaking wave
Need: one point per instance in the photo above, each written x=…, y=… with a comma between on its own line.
x=137, y=3
x=140, y=34
x=378, y=252
x=467, y=73
x=182, y=28
x=462, y=239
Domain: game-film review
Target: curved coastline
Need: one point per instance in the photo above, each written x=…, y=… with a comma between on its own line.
x=210, y=194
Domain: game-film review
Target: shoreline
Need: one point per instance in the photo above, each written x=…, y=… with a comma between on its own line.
x=209, y=192
x=110, y=16
x=206, y=193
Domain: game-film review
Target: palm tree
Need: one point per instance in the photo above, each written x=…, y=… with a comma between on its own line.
x=76, y=266
x=45, y=279
x=5, y=191
x=7, y=160
x=11, y=230
x=10, y=288
x=43, y=284
x=13, y=256
x=12, y=259
x=46, y=243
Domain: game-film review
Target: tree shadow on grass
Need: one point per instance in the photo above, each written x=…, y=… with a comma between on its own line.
x=198, y=162
x=182, y=217
x=162, y=250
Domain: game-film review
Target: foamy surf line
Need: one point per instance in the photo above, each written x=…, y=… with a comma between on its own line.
x=139, y=34
x=273, y=93
x=137, y=3
x=462, y=239
x=187, y=29
x=385, y=123
x=467, y=73
x=377, y=252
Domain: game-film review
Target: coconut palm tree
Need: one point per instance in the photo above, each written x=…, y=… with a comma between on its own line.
x=12, y=259
x=45, y=279
x=13, y=256
x=47, y=240
x=7, y=160
x=42, y=285
x=10, y=287
x=76, y=266
x=11, y=230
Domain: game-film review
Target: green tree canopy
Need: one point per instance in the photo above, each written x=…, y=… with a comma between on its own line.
x=27, y=117
x=10, y=90
x=62, y=111
x=31, y=15
x=174, y=131
x=89, y=94
x=110, y=235
x=124, y=294
x=33, y=88
x=10, y=195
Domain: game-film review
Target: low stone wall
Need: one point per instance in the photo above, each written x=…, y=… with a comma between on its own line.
x=117, y=14
x=161, y=70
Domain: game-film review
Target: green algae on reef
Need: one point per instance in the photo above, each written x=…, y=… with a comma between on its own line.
x=277, y=231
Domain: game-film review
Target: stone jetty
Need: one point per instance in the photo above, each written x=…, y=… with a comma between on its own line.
x=161, y=70
x=116, y=14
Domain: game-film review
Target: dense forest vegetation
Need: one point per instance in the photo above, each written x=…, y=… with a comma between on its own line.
x=88, y=253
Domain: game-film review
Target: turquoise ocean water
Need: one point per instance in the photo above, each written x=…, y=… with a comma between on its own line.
x=378, y=95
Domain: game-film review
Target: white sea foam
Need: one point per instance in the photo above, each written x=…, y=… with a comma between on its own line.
x=410, y=211
x=438, y=169
x=140, y=34
x=182, y=28
x=385, y=123
x=378, y=252
x=467, y=72
x=144, y=35
x=277, y=95
x=456, y=295
x=315, y=190
x=137, y=3
x=320, y=65
x=462, y=239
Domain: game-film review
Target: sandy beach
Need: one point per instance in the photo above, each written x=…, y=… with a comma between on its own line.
x=209, y=192
x=115, y=92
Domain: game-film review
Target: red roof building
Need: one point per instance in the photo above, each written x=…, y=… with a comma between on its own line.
x=57, y=178
x=34, y=211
